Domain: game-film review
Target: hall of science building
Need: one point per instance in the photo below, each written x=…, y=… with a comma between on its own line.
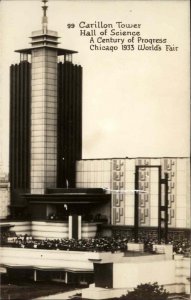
x=54, y=193
x=46, y=153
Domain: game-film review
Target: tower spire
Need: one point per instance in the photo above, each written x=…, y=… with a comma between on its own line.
x=44, y=18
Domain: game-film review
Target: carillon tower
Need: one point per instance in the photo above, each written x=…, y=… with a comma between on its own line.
x=43, y=108
x=45, y=115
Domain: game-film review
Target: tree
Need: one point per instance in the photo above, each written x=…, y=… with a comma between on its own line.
x=146, y=291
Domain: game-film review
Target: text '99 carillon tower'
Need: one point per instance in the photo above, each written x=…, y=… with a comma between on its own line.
x=45, y=116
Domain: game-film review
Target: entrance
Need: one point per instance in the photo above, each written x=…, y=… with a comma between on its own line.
x=162, y=203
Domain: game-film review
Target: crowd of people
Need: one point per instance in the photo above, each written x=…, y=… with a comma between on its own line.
x=92, y=244
x=98, y=244
x=182, y=246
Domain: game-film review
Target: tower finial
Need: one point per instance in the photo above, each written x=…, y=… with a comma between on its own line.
x=44, y=18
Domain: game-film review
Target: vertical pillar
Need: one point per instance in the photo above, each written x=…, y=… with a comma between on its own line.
x=159, y=205
x=163, y=212
x=70, y=227
x=166, y=210
x=43, y=120
x=79, y=227
x=35, y=275
x=66, y=277
x=75, y=227
x=162, y=205
x=136, y=211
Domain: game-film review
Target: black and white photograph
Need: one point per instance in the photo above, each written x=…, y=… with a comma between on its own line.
x=95, y=150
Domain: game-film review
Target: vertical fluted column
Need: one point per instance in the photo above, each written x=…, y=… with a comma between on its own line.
x=44, y=120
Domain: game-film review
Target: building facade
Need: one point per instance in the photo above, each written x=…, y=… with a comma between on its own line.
x=46, y=150
x=4, y=196
x=118, y=174
x=45, y=117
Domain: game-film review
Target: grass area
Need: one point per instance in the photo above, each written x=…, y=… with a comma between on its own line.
x=32, y=290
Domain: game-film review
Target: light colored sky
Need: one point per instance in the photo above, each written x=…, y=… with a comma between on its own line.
x=135, y=103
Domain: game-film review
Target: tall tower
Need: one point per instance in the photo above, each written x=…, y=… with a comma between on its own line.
x=43, y=108
x=45, y=115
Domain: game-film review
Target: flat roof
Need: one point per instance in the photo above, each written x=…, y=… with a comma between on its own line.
x=44, y=268
x=67, y=198
x=60, y=51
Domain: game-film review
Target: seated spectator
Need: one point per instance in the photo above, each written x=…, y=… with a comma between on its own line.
x=97, y=244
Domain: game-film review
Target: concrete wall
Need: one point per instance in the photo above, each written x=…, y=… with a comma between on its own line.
x=128, y=272
x=173, y=274
x=135, y=273
x=43, y=230
x=20, y=227
x=119, y=173
x=37, y=258
x=89, y=230
x=57, y=259
x=4, y=199
x=51, y=230
x=182, y=274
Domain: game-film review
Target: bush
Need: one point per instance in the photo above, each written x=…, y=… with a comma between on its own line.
x=146, y=291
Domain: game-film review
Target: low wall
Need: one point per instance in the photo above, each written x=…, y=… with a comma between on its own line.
x=173, y=274
x=89, y=230
x=144, y=258
x=21, y=227
x=129, y=275
x=56, y=259
x=40, y=258
x=50, y=229
x=182, y=274
x=164, y=249
x=127, y=272
x=137, y=247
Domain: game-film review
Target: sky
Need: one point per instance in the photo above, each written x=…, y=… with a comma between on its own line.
x=135, y=103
